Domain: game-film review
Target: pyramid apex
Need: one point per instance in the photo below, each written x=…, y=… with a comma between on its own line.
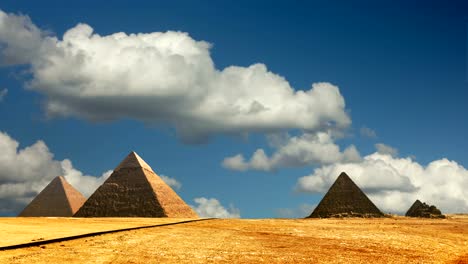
x=59, y=180
x=60, y=177
x=343, y=177
x=343, y=174
x=133, y=160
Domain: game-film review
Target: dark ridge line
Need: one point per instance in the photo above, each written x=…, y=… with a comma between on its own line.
x=62, y=239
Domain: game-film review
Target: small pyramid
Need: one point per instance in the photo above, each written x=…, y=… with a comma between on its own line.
x=345, y=199
x=414, y=208
x=58, y=198
x=134, y=190
x=419, y=209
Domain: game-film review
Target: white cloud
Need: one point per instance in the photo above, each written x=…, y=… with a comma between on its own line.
x=211, y=207
x=162, y=78
x=25, y=172
x=171, y=182
x=86, y=184
x=236, y=162
x=385, y=149
x=303, y=150
x=302, y=211
x=395, y=183
x=21, y=39
x=3, y=93
x=368, y=132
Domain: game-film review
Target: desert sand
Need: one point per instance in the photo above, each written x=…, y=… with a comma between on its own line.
x=18, y=230
x=380, y=240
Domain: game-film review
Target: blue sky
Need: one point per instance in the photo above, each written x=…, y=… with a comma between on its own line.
x=400, y=67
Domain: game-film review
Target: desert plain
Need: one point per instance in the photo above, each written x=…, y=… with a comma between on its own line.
x=354, y=240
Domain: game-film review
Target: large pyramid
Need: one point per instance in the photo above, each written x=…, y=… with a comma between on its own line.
x=134, y=190
x=345, y=199
x=58, y=198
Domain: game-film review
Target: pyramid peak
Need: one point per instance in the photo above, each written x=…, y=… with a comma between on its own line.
x=344, y=178
x=60, y=178
x=133, y=160
x=62, y=181
x=57, y=182
x=344, y=175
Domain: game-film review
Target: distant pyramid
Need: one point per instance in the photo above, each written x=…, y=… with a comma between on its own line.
x=419, y=209
x=58, y=198
x=344, y=198
x=414, y=208
x=134, y=190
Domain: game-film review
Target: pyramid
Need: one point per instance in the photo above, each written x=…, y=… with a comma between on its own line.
x=345, y=199
x=58, y=198
x=414, y=208
x=134, y=190
x=419, y=209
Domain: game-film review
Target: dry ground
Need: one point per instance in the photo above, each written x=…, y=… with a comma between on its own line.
x=390, y=240
x=18, y=230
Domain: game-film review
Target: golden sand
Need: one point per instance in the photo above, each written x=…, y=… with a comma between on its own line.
x=386, y=240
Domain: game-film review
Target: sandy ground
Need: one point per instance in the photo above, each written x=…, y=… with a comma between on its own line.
x=391, y=240
x=17, y=230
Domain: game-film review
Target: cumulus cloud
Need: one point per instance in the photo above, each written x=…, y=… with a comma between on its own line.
x=161, y=78
x=20, y=38
x=302, y=211
x=25, y=172
x=296, y=151
x=368, y=132
x=236, y=162
x=3, y=93
x=385, y=149
x=395, y=183
x=171, y=182
x=211, y=207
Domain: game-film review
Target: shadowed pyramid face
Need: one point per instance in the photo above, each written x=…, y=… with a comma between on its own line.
x=345, y=198
x=134, y=190
x=414, y=208
x=58, y=198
